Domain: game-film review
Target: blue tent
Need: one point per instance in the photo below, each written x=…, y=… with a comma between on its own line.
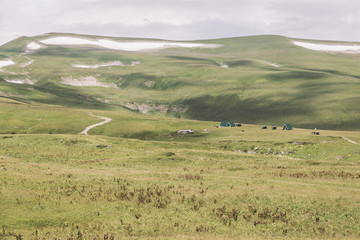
x=227, y=124
x=287, y=126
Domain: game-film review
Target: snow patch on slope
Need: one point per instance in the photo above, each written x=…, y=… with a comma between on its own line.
x=274, y=65
x=33, y=46
x=4, y=63
x=125, y=46
x=329, y=47
x=20, y=81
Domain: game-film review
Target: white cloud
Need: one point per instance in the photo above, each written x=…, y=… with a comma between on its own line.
x=182, y=19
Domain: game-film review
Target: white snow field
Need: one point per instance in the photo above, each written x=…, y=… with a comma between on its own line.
x=33, y=46
x=109, y=64
x=20, y=81
x=4, y=63
x=329, y=47
x=125, y=46
x=274, y=65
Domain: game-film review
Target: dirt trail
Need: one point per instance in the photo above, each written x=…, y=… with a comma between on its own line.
x=349, y=140
x=106, y=120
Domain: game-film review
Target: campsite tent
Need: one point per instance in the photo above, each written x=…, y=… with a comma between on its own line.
x=227, y=124
x=287, y=126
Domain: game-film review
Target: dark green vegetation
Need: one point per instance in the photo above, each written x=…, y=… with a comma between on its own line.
x=136, y=178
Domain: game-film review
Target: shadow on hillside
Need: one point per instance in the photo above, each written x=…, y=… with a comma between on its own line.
x=258, y=110
x=64, y=96
x=240, y=63
x=317, y=87
x=333, y=72
x=72, y=52
x=194, y=59
x=86, y=53
x=295, y=75
x=348, y=125
x=301, y=109
x=146, y=81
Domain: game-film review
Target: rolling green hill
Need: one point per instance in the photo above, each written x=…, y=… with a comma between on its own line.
x=259, y=79
x=136, y=177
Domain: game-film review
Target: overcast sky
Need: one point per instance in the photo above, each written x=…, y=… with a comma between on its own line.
x=182, y=19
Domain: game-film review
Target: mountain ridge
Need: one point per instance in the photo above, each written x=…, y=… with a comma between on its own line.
x=264, y=79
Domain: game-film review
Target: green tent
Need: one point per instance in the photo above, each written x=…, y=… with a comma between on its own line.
x=287, y=126
x=227, y=124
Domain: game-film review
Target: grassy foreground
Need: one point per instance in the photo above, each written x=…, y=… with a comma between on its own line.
x=238, y=183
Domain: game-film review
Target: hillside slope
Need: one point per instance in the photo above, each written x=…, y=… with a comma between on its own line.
x=259, y=79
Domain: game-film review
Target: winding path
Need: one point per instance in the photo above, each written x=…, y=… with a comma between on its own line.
x=106, y=120
x=349, y=140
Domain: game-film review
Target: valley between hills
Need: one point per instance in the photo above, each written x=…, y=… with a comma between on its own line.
x=90, y=149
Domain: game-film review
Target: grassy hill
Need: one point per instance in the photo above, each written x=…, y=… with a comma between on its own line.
x=217, y=183
x=259, y=79
x=137, y=178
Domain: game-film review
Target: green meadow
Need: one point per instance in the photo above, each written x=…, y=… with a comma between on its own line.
x=137, y=178
x=218, y=183
x=268, y=80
